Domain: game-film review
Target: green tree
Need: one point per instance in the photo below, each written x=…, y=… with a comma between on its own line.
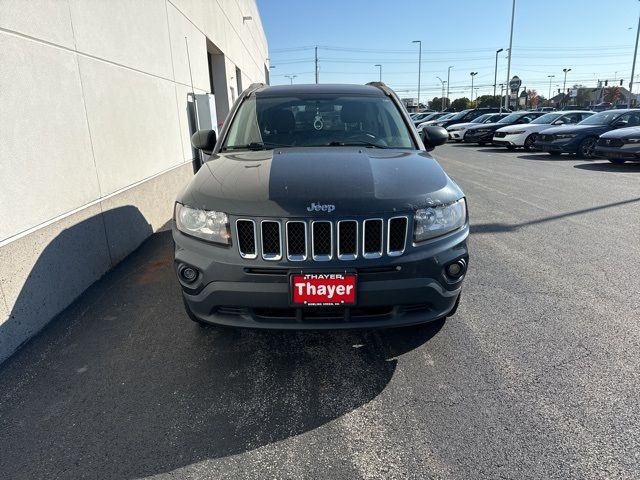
x=460, y=104
x=485, y=101
x=435, y=104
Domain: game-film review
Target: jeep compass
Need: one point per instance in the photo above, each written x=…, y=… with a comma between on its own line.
x=319, y=207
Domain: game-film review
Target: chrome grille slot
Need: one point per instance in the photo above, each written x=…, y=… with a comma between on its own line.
x=322, y=240
x=347, y=240
x=271, y=240
x=396, y=236
x=296, y=241
x=372, y=238
x=246, y=230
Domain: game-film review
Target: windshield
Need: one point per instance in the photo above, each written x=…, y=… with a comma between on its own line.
x=482, y=118
x=317, y=120
x=548, y=118
x=602, y=118
x=459, y=115
x=510, y=118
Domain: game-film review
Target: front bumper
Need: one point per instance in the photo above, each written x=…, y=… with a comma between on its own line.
x=559, y=146
x=392, y=291
x=510, y=140
x=631, y=152
x=472, y=137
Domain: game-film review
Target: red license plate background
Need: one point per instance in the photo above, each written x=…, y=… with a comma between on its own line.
x=322, y=289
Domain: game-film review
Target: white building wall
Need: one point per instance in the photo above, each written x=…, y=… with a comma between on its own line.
x=94, y=134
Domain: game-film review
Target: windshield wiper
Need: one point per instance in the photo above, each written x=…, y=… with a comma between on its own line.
x=356, y=143
x=255, y=146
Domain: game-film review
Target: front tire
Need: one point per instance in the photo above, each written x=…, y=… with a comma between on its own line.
x=529, y=141
x=587, y=148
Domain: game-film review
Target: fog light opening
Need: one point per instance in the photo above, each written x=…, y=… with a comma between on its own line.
x=457, y=268
x=188, y=274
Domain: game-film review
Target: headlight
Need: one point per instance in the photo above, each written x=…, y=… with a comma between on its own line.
x=632, y=140
x=206, y=224
x=435, y=221
x=480, y=130
x=519, y=132
x=566, y=135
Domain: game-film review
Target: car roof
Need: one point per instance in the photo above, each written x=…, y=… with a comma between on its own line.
x=322, y=88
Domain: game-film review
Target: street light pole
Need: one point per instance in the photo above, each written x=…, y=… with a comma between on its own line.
x=513, y=13
x=380, y=67
x=291, y=77
x=495, y=76
x=419, y=42
x=473, y=74
x=633, y=68
x=441, y=99
x=448, y=83
x=550, y=78
x=564, y=86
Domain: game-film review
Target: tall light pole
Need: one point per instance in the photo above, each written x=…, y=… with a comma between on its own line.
x=495, y=76
x=513, y=14
x=419, y=42
x=549, y=97
x=291, y=77
x=564, y=86
x=442, y=99
x=448, y=83
x=473, y=74
x=633, y=67
x=380, y=67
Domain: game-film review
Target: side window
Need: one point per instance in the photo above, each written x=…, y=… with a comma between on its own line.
x=585, y=115
x=472, y=115
x=571, y=118
x=526, y=119
x=629, y=119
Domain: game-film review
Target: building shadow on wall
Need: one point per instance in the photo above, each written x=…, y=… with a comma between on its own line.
x=122, y=384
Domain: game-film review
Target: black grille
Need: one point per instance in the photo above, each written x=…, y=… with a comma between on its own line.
x=271, y=238
x=348, y=237
x=246, y=237
x=545, y=138
x=397, y=234
x=373, y=236
x=611, y=142
x=296, y=239
x=500, y=134
x=322, y=238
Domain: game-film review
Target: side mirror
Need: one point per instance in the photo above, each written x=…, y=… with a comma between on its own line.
x=434, y=136
x=204, y=140
x=558, y=122
x=619, y=124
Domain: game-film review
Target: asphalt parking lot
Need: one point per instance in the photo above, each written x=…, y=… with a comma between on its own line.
x=536, y=376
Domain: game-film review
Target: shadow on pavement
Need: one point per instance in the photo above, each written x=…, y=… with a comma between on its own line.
x=546, y=156
x=627, y=167
x=484, y=228
x=123, y=385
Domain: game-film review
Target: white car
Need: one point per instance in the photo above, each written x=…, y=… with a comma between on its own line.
x=515, y=136
x=457, y=130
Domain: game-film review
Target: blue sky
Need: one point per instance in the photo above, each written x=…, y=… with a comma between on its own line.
x=593, y=38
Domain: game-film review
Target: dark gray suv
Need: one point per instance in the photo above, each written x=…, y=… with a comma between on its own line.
x=320, y=207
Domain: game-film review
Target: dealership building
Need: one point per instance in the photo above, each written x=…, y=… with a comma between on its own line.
x=98, y=100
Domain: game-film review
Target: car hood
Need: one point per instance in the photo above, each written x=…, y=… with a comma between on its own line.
x=460, y=126
x=579, y=129
x=286, y=182
x=629, y=132
x=488, y=126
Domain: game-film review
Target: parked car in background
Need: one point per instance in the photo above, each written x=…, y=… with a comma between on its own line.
x=483, y=134
x=515, y=136
x=435, y=121
x=424, y=116
x=621, y=145
x=457, y=130
x=602, y=106
x=466, y=116
x=581, y=139
x=545, y=109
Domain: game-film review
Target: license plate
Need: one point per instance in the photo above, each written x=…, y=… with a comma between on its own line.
x=323, y=289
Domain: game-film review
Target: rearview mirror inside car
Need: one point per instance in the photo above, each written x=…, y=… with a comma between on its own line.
x=433, y=136
x=204, y=140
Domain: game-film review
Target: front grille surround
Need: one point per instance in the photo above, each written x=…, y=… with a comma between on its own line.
x=321, y=240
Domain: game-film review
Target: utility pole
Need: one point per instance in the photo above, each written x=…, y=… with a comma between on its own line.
x=513, y=13
x=316, y=64
x=495, y=76
x=448, y=83
x=291, y=77
x=419, y=42
x=473, y=74
x=633, y=68
x=441, y=99
x=379, y=66
x=549, y=97
x=564, y=87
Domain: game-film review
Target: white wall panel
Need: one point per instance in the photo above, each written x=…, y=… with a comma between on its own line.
x=45, y=150
x=48, y=20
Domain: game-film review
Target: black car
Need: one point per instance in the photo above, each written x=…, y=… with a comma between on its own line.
x=582, y=138
x=466, y=116
x=297, y=222
x=618, y=146
x=417, y=120
x=483, y=134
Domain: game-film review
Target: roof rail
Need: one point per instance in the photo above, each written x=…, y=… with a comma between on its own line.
x=382, y=86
